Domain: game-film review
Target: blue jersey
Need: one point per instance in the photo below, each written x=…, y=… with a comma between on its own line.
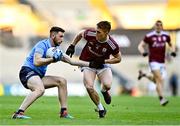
x=41, y=47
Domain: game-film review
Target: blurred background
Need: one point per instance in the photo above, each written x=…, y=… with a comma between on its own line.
x=24, y=22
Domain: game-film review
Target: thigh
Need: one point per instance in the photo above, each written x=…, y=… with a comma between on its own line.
x=34, y=83
x=25, y=74
x=89, y=77
x=52, y=81
x=158, y=70
x=157, y=74
x=105, y=77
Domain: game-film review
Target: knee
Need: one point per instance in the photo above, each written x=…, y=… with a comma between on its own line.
x=158, y=79
x=62, y=82
x=106, y=85
x=40, y=91
x=90, y=89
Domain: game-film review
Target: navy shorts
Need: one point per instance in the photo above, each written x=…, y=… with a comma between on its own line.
x=26, y=73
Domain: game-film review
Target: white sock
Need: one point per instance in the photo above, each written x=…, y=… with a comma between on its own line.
x=100, y=106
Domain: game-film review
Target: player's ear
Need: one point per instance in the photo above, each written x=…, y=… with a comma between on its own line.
x=53, y=36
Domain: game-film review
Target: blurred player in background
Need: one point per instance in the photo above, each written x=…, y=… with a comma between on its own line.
x=99, y=46
x=32, y=73
x=156, y=42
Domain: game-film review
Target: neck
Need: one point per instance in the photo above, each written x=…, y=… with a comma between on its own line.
x=104, y=40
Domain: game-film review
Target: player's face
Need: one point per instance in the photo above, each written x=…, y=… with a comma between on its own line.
x=158, y=27
x=58, y=38
x=101, y=35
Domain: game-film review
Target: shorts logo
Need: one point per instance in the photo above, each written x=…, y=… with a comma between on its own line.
x=29, y=74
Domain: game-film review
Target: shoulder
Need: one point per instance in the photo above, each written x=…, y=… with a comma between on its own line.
x=165, y=33
x=112, y=43
x=42, y=43
x=90, y=32
x=150, y=34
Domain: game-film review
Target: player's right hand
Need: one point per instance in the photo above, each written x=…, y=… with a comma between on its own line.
x=70, y=51
x=144, y=54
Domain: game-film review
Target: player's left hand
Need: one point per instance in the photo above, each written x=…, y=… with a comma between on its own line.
x=173, y=54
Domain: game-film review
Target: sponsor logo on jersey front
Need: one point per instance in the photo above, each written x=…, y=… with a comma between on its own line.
x=157, y=44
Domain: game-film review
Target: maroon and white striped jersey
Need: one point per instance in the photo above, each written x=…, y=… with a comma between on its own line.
x=157, y=45
x=94, y=49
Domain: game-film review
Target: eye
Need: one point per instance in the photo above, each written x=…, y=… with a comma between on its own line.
x=159, y=24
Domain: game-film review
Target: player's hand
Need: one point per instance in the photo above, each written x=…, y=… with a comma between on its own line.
x=57, y=56
x=144, y=54
x=94, y=64
x=97, y=63
x=70, y=51
x=173, y=54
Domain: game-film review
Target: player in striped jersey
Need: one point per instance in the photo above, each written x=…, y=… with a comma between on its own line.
x=99, y=47
x=156, y=42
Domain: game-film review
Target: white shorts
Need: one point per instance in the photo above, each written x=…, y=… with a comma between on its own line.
x=98, y=71
x=158, y=66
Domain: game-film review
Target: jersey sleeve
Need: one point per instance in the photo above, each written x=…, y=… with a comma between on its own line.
x=40, y=48
x=116, y=50
x=168, y=39
x=146, y=39
x=89, y=34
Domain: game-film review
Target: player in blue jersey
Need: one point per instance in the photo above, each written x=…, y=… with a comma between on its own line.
x=32, y=73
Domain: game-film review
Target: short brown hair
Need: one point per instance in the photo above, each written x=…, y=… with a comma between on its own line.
x=57, y=29
x=105, y=25
x=158, y=21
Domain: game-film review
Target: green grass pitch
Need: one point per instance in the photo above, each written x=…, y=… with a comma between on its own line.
x=124, y=110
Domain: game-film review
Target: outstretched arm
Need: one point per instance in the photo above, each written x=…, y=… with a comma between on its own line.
x=71, y=49
x=77, y=38
x=74, y=62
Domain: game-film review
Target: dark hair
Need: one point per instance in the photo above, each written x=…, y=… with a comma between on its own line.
x=158, y=21
x=57, y=29
x=105, y=25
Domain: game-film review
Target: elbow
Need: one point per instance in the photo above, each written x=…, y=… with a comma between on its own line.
x=119, y=60
x=139, y=47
